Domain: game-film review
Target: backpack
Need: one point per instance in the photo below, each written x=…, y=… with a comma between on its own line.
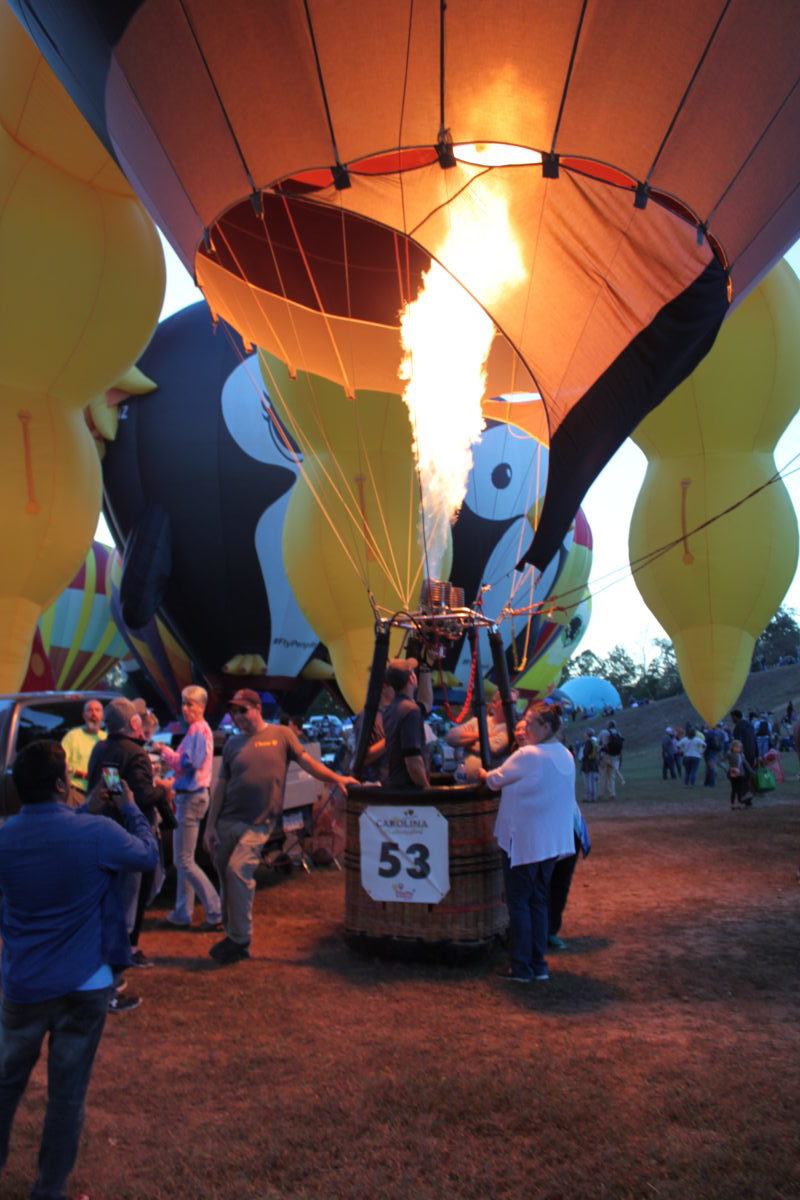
x=614, y=743
x=589, y=757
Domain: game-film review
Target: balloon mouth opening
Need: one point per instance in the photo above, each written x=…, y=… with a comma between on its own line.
x=232, y=239
x=324, y=259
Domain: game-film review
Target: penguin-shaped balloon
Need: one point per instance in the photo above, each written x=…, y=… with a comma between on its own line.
x=198, y=448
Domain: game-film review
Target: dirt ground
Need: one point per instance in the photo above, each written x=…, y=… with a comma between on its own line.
x=661, y=1060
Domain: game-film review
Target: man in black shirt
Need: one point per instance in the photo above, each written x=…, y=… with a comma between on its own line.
x=403, y=723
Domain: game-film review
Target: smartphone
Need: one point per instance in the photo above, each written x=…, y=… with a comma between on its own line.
x=111, y=779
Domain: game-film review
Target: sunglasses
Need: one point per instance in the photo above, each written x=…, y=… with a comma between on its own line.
x=238, y=709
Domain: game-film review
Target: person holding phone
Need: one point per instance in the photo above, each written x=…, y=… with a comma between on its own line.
x=124, y=752
x=63, y=932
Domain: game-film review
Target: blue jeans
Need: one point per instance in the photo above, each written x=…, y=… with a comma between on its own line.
x=74, y=1024
x=190, y=808
x=690, y=766
x=528, y=902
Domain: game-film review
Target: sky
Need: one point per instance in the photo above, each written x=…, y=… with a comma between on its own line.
x=619, y=615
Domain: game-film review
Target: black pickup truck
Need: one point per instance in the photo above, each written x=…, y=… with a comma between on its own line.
x=25, y=716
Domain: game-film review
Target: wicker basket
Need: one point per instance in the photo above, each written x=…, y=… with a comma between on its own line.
x=472, y=914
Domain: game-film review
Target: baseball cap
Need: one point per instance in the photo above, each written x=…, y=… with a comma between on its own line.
x=398, y=672
x=118, y=714
x=247, y=698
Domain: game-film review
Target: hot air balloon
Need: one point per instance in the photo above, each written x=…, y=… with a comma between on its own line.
x=611, y=146
x=80, y=291
x=203, y=451
x=713, y=537
x=78, y=632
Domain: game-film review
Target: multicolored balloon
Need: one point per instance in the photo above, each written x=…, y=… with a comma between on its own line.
x=157, y=652
x=78, y=632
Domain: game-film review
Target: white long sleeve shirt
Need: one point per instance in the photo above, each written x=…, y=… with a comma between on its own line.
x=537, y=803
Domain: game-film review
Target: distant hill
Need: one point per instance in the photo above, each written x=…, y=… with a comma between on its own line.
x=769, y=690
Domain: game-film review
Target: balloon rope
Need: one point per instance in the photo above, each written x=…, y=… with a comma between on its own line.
x=568, y=76
x=688, y=557
x=394, y=579
x=320, y=425
x=213, y=84
x=308, y=450
x=688, y=88
x=32, y=507
x=352, y=512
x=457, y=719
x=302, y=439
x=348, y=386
x=256, y=295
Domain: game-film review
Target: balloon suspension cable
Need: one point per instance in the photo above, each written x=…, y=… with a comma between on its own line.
x=457, y=718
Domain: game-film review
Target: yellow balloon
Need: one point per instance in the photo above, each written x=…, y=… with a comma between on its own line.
x=709, y=445
x=351, y=527
x=80, y=293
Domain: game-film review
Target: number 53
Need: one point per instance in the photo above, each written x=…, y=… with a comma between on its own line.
x=391, y=864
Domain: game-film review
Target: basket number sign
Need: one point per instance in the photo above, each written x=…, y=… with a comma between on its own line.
x=404, y=854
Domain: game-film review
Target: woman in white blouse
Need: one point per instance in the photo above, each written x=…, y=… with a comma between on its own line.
x=534, y=828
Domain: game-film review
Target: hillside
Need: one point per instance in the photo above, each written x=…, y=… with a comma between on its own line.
x=642, y=728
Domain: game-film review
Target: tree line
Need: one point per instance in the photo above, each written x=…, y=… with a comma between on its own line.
x=659, y=678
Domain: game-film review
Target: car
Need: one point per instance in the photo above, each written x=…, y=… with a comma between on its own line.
x=27, y=716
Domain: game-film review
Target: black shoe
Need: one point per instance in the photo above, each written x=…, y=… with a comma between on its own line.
x=141, y=960
x=511, y=976
x=227, y=951
x=119, y=1004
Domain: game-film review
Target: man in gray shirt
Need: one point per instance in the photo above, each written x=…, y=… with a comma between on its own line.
x=246, y=807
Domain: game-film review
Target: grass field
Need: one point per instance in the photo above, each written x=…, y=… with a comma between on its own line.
x=643, y=727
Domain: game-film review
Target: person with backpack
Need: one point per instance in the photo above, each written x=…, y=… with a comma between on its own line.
x=611, y=742
x=711, y=755
x=589, y=757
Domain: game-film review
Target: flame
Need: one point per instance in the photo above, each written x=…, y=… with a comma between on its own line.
x=446, y=337
x=496, y=154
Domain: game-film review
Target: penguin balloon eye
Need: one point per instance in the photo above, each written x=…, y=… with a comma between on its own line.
x=501, y=475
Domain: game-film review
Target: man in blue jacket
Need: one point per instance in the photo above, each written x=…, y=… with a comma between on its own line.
x=62, y=927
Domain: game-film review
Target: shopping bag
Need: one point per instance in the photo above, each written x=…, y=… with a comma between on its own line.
x=764, y=780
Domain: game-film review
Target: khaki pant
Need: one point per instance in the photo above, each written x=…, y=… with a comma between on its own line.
x=609, y=770
x=236, y=859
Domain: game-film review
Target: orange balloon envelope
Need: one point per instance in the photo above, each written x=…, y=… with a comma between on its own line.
x=634, y=177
